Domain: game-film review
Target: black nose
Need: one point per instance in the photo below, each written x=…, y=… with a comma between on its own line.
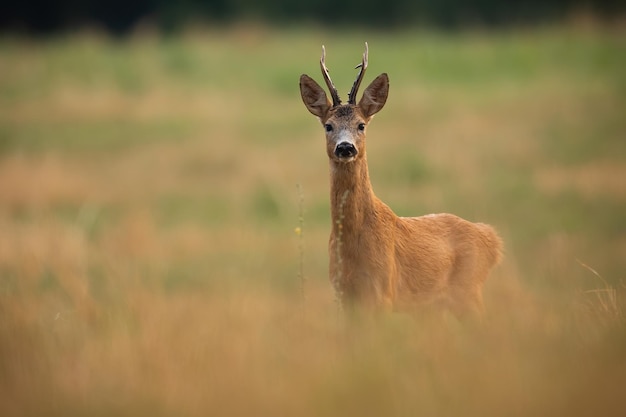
x=345, y=150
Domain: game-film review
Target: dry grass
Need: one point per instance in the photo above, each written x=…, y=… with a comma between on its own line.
x=148, y=200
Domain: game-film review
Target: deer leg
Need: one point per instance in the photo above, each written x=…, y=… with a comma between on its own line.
x=466, y=302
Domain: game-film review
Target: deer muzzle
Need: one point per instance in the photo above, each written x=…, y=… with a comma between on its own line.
x=345, y=150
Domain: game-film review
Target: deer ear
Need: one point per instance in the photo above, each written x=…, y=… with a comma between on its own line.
x=314, y=97
x=375, y=96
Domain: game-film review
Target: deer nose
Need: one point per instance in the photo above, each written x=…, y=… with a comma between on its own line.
x=345, y=150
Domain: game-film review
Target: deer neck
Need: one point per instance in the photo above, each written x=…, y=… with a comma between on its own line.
x=351, y=195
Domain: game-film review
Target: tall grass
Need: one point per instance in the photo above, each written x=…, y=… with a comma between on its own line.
x=148, y=261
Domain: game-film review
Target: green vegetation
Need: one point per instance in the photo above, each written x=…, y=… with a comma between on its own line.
x=148, y=201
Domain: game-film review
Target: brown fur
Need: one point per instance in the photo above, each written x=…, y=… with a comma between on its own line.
x=378, y=259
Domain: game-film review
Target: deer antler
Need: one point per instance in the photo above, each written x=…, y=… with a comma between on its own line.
x=359, y=78
x=329, y=83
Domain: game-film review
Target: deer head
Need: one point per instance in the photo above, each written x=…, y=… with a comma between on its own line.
x=345, y=124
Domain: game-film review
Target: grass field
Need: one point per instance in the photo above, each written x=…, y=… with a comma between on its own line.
x=150, y=188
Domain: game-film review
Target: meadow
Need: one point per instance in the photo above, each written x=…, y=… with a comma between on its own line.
x=151, y=189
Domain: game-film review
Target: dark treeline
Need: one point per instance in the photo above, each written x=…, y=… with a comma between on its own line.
x=120, y=16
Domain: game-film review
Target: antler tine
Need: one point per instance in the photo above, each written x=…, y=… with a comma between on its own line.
x=359, y=78
x=329, y=83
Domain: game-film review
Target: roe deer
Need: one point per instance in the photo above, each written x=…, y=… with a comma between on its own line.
x=377, y=259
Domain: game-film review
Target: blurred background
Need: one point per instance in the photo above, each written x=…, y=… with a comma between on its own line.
x=121, y=17
x=164, y=208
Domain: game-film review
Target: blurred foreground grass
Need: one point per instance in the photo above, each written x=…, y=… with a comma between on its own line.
x=148, y=260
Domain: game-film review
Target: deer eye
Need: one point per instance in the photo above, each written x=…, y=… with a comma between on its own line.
x=328, y=127
x=361, y=126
